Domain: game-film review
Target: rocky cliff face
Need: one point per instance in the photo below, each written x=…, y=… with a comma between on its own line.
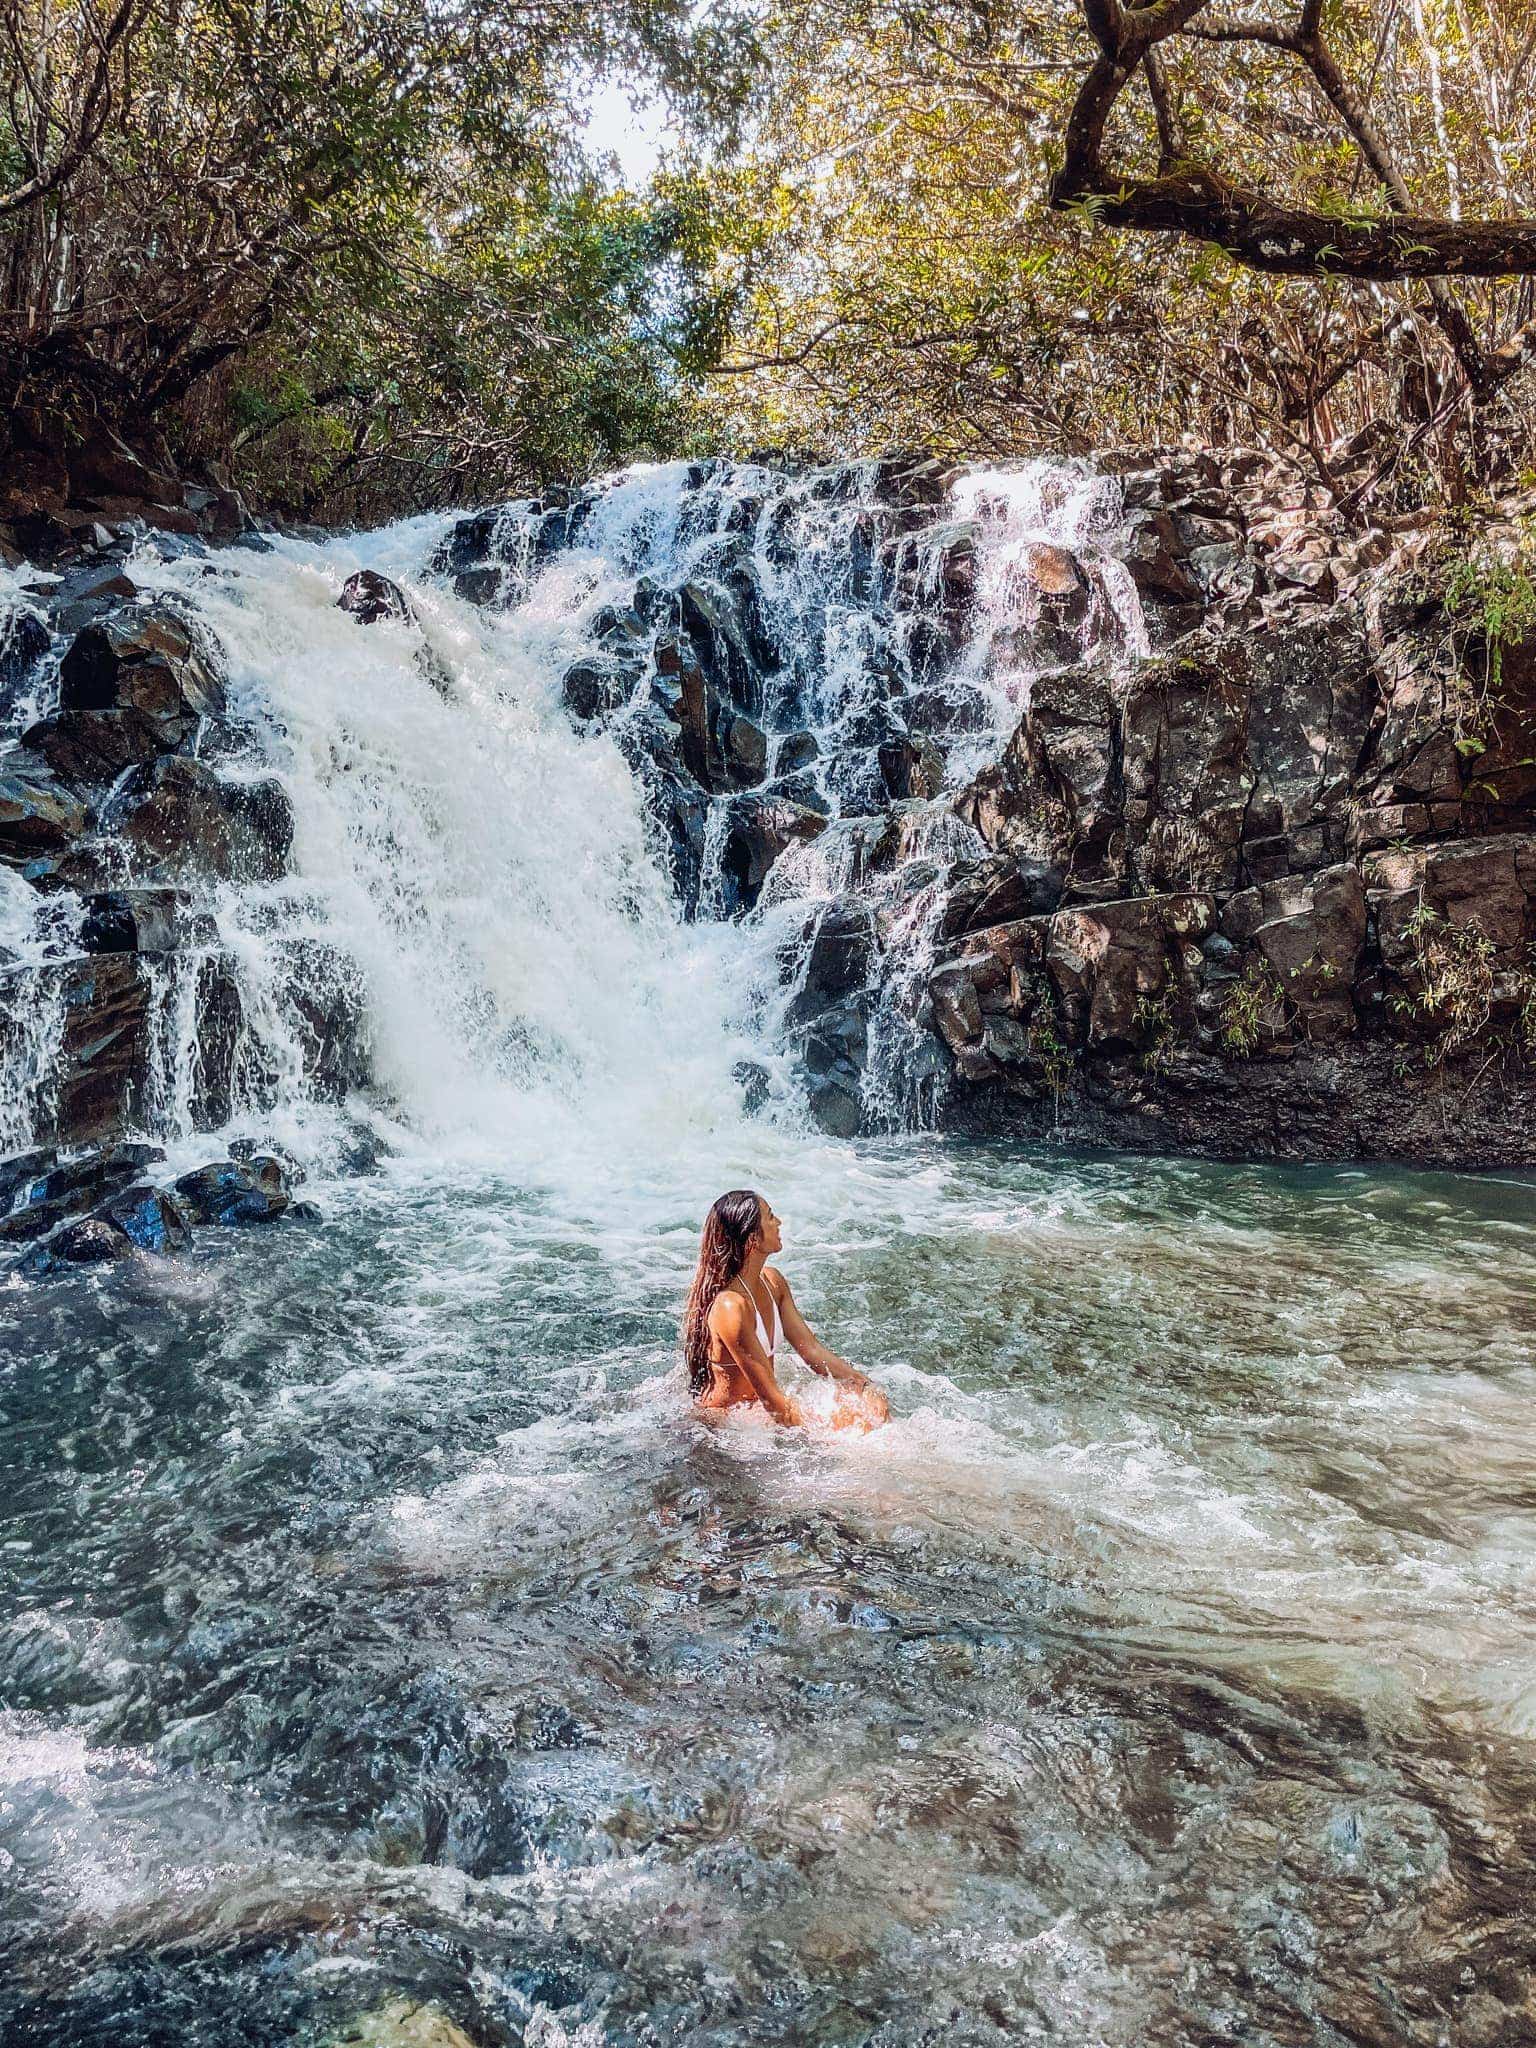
x=130, y=801
x=1298, y=897
x=1249, y=871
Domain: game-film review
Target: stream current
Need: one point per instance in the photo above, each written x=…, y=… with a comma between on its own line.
x=387, y=1651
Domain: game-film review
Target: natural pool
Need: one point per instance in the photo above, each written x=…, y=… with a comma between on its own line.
x=389, y=1650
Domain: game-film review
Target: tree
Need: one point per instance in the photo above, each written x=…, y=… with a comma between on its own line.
x=939, y=225
x=216, y=212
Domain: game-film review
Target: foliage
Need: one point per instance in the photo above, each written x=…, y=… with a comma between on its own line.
x=1251, y=1005
x=359, y=247
x=1453, y=976
x=1495, y=597
x=898, y=273
x=1153, y=1017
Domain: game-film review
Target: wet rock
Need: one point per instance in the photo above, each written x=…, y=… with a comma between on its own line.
x=752, y=1080
x=795, y=751
x=910, y=767
x=598, y=686
x=150, y=1218
x=20, y=1169
x=758, y=829
x=64, y=1188
x=38, y=813
x=400, y=2023
x=143, y=921
x=95, y=1241
x=721, y=747
x=233, y=1191
x=676, y=808
x=370, y=597
x=1000, y=891
x=827, y=1019
x=24, y=641
x=145, y=658
x=176, y=819
x=103, y=1045
x=88, y=750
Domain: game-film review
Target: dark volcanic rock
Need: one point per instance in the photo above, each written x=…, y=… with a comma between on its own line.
x=999, y=891
x=177, y=819
x=24, y=640
x=146, y=658
x=758, y=829
x=38, y=814
x=252, y=1190
x=69, y=1187
x=143, y=921
x=369, y=597
x=150, y=1218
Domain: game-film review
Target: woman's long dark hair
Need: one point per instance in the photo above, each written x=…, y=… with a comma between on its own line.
x=729, y=1229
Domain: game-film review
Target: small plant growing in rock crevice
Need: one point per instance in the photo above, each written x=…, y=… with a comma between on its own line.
x=1047, y=1049
x=1154, y=1017
x=1249, y=1004
x=1453, y=967
x=1491, y=602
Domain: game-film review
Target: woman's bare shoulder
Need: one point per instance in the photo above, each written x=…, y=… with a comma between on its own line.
x=727, y=1310
x=777, y=1283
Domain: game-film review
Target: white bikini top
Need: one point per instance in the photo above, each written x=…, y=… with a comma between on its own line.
x=769, y=1344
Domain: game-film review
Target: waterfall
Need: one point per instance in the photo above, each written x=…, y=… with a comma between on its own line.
x=521, y=914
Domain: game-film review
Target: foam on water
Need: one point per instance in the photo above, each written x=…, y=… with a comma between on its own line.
x=391, y=1627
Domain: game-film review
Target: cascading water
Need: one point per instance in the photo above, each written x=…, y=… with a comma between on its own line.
x=389, y=1657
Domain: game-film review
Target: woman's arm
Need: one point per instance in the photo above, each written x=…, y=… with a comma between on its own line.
x=818, y=1356
x=738, y=1333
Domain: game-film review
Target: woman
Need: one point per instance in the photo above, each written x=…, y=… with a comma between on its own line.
x=736, y=1310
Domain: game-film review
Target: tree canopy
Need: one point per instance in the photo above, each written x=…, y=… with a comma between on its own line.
x=1307, y=223
x=360, y=254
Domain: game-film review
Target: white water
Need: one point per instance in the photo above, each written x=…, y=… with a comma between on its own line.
x=387, y=1624
x=479, y=872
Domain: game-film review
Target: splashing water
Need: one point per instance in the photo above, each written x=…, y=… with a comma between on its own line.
x=385, y=1648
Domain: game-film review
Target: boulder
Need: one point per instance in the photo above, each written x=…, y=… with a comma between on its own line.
x=1185, y=768
x=150, y=1218
x=999, y=890
x=1122, y=971
x=598, y=685
x=230, y=1191
x=38, y=813
x=88, y=750
x=1310, y=931
x=1056, y=792
x=70, y=1187
x=839, y=950
x=24, y=640
x=143, y=921
x=827, y=1018
x=721, y=748
x=370, y=597
x=675, y=807
x=758, y=828
x=146, y=658
x=176, y=819
x=102, y=1008
x=94, y=1241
